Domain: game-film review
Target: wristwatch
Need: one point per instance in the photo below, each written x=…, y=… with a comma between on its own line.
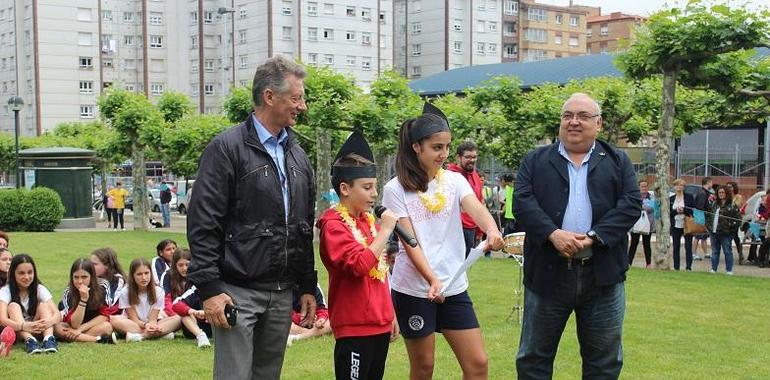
x=595, y=237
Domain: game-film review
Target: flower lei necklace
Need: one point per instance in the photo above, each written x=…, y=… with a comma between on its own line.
x=436, y=203
x=378, y=272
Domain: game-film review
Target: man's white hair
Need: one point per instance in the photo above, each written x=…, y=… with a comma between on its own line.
x=581, y=95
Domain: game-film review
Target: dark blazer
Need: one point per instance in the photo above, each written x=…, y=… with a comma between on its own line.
x=542, y=193
x=689, y=204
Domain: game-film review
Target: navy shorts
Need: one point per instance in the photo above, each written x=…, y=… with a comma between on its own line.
x=417, y=317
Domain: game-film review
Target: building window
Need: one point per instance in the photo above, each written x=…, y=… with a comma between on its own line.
x=536, y=14
x=86, y=87
x=156, y=18
x=286, y=8
x=86, y=111
x=86, y=62
x=492, y=48
x=511, y=7
x=458, y=46
x=589, y=33
x=458, y=25
x=129, y=87
x=242, y=36
x=328, y=59
x=84, y=14
x=312, y=58
x=416, y=6
x=366, y=63
x=604, y=30
x=194, y=18
x=85, y=39
x=107, y=62
x=416, y=71
x=312, y=9
x=416, y=27
x=128, y=17
x=208, y=65
x=156, y=88
x=286, y=32
x=510, y=51
x=350, y=35
x=573, y=41
x=492, y=26
x=193, y=65
x=244, y=61
x=208, y=17
x=416, y=49
x=328, y=34
x=128, y=40
x=382, y=17
x=243, y=12
x=366, y=14
x=312, y=34
x=366, y=38
x=535, y=35
x=194, y=42
x=208, y=89
x=350, y=60
x=480, y=26
x=573, y=20
x=328, y=8
x=510, y=29
x=156, y=41
x=479, y=48
x=106, y=15
x=535, y=55
x=559, y=19
x=350, y=11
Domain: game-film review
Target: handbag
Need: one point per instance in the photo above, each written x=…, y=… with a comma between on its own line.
x=691, y=227
x=642, y=226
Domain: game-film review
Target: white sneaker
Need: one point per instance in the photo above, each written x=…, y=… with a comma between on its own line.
x=169, y=336
x=712, y=271
x=114, y=229
x=203, y=341
x=729, y=273
x=134, y=337
x=290, y=340
x=122, y=229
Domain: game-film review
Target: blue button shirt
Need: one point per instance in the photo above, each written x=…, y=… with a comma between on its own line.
x=275, y=147
x=577, y=217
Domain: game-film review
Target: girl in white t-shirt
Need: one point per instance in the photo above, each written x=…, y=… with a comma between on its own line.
x=142, y=304
x=27, y=306
x=428, y=201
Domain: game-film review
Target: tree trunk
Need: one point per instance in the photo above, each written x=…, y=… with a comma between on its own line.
x=323, y=168
x=139, y=175
x=662, y=161
x=383, y=172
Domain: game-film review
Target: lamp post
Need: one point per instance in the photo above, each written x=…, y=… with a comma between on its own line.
x=14, y=104
x=231, y=11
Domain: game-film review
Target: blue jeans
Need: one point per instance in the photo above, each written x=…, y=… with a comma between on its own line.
x=166, y=212
x=676, y=235
x=599, y=315
x=724, y=241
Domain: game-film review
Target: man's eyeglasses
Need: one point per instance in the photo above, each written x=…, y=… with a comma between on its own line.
x=582, y=116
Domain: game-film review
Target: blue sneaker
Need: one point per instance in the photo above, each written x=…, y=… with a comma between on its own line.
x=50, y=345
x=32, y=346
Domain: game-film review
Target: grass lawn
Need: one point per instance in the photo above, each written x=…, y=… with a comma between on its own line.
x=677, y=326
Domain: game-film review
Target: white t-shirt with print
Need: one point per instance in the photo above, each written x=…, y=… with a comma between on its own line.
x=43, y=296
x=440, y=235
x=143, y=308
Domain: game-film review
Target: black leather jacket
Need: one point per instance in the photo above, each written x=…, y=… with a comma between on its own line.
x=236, y=226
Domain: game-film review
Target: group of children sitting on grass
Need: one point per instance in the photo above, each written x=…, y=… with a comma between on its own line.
x=100, y=302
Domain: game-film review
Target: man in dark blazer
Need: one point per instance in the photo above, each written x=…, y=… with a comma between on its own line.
x=576, y=200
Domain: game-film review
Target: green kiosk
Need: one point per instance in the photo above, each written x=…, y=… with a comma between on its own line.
x=68, y=172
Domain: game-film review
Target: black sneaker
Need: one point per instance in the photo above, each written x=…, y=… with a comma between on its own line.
x=32, y=346
x=50, y=345
x=108, y=339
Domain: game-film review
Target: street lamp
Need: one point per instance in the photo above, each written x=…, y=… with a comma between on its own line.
x=222, y=11
x=14, y=104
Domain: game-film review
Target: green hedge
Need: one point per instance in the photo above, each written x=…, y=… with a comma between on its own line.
x=39, y=209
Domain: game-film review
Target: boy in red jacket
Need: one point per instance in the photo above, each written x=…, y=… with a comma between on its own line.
x=353, y=251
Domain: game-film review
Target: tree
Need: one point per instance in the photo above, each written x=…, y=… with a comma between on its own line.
x=681, y=42
x=238, y=104
x=185, y=140
x=140, y=123
x=174, y=106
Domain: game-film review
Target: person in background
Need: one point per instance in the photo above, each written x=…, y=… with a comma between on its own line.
x=647, y=206
x=164, y=252
x=703, y=200
x=175, y=285
x=681, y=205
x=5, y=265
x=722, y=221
x=165, y=203
x=738, y=202
x=119, y=196
x=107, y=267
x=466, y=156
x=85, y=314
x=4, y=239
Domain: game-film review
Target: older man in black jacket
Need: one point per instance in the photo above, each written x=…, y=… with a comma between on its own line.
x=576, y=200
x=250, y=228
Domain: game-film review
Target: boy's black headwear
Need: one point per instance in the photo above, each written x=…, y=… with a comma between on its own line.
x=356, y=143
x=431, y=121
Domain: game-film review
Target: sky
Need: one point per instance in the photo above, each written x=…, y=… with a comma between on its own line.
x=645, y=7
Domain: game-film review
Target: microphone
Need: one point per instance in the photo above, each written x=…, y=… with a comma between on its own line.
x=405, y=237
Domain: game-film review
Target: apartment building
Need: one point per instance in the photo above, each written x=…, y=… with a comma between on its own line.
x=612, y=32
x=59, y=56
x=548, y=31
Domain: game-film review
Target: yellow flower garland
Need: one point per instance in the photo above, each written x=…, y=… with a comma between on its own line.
x=436, y=203
x=378, y=272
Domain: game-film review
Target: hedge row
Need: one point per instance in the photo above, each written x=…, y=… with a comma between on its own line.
x=39, y=209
